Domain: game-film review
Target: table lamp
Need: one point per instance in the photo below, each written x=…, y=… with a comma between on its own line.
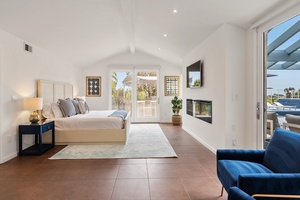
x=33, y=104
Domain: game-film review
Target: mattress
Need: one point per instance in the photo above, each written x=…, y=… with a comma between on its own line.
x=91, y=121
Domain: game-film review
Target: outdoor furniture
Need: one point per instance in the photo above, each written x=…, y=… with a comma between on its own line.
x=293, y=123
x=271, y=106
x=275, y=170
x=279, y=105
x=236, y=193
x=272, y=124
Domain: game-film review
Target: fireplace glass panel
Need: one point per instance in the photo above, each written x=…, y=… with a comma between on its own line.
x=203, y=110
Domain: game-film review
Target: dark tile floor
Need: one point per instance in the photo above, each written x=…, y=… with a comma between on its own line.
x=190, y=176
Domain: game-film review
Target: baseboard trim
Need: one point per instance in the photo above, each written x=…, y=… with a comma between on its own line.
x=199, y=140
x=9, y=157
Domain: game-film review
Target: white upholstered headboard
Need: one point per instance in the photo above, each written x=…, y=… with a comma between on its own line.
x=51, y=91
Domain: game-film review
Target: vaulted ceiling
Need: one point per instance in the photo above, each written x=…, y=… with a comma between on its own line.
x=88, y=31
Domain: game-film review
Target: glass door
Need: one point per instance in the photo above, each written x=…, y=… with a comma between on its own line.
x=280, y=74
x=146, y=98
x=121, y=90
x=136, y=91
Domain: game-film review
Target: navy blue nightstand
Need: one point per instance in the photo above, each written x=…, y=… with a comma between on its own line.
x=37, y=130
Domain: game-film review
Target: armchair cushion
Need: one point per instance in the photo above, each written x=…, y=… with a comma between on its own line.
x=280, y=153
x=293, y=119
x=232, y=169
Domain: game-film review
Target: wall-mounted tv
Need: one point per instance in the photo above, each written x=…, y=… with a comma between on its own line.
x=194, y=75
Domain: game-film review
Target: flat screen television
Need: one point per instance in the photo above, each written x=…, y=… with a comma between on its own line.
x=194, y=75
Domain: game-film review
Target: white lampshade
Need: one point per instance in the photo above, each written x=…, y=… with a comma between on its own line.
x=80, y=97
x=33, y=103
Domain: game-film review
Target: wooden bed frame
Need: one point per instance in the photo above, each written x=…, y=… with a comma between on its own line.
x=51, y=91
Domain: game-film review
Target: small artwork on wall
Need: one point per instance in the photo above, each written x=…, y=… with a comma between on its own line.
x=171, y=85
x=93, y=86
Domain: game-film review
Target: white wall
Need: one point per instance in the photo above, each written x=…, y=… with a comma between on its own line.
x=138, y=59
x=236, y=87
x=223, y=54
x=21, y=70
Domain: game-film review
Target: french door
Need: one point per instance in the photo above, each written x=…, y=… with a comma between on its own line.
x=278, y=37
x=136, y=90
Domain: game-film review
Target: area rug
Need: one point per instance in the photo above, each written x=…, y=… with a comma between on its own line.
x=144, y=141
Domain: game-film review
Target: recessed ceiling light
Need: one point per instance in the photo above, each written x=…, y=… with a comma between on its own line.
x=175, y=11
x=158, y=48
x=165, y=35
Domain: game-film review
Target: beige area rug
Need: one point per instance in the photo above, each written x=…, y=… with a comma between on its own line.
x=145, y=141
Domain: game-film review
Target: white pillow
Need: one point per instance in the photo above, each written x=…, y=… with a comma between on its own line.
x=56, y=110
x=47, y=111
x=82, y=107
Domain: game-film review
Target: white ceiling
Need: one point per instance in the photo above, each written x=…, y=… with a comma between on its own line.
x=87, y=31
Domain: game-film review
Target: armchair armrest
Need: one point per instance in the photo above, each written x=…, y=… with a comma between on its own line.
x=241, y=154
x=236, y=193
x=274, y=183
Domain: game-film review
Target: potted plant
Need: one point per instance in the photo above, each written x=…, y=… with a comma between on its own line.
x=177, y=106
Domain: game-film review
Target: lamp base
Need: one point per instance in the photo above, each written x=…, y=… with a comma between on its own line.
x=34, y=117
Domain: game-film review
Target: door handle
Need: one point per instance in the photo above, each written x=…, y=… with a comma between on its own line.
x=257, y=110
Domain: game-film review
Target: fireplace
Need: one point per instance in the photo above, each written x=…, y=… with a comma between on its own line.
x=199, y=109
x=189, y=107
x=203, y=110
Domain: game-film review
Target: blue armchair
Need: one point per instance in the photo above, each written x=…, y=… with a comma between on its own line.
x=275, y=170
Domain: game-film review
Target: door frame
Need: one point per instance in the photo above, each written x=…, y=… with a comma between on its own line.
x=287, y=12
x=1, y=105
x=149, y=69
x=134, y=69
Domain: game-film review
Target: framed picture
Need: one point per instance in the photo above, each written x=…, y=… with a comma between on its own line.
x=172, y=85
x=93, y=86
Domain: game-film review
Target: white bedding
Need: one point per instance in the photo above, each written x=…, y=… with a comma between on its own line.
x=90, y=121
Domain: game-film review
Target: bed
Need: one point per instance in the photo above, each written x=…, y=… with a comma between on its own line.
x=92, y=128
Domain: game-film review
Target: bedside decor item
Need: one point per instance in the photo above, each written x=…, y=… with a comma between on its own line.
x=177, y=106
x=93, y=86
x=172, y=85
x=33, y=104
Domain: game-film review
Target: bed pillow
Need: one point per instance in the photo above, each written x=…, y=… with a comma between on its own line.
x=47, y=111
x=67, y=107
x=56, y=110
x=76, y=105
x=86, y=106
x=82, y=107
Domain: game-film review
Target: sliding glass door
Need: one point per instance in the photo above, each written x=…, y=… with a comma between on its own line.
x=136, y=91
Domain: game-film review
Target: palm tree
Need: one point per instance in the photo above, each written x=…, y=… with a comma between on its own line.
x=292, y=90
x=287, y=92
x=114, y=82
